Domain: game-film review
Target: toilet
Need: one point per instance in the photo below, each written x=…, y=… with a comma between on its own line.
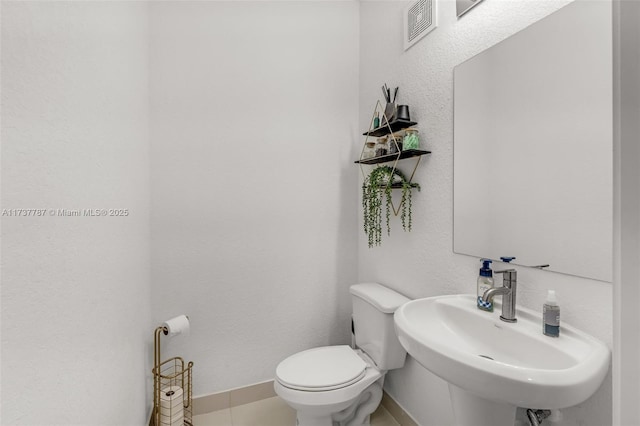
x=340, y=385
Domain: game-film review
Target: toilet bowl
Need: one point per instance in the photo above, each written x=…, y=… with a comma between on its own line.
x=330, y=385
x=340, y=385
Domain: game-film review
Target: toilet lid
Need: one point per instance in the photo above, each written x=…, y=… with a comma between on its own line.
x=321, y=369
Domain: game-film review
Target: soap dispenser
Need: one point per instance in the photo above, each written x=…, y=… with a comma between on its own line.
x=485, y=282
x=551, y=315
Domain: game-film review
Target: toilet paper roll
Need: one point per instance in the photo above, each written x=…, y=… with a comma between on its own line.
x=172, y=418
x=171, y=406
x=171, y=396
x=177, y=325
x=176, y=418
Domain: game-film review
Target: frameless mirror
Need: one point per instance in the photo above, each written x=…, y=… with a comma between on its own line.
x=463, y=6
x=533, y=145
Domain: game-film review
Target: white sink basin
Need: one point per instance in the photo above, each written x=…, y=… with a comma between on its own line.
x=509, y=363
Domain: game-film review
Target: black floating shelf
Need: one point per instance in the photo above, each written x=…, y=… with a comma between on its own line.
x=398, y=185
x=395, y=125
x=392, y=157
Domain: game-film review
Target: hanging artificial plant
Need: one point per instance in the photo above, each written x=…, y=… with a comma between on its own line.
x=378, y=186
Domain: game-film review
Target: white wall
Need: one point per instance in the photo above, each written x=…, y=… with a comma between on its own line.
x=422, y=263
x=75, y=290
x=254, y=198
x=626, y=360
x=241, y=95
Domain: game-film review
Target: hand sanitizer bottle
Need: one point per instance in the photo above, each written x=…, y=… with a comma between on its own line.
x=485, y=282
x=551, y=315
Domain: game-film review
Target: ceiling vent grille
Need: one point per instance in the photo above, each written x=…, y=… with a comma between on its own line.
x=420, y=18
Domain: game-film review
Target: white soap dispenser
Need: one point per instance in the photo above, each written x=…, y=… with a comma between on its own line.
x=551, y=315
x=485, y=282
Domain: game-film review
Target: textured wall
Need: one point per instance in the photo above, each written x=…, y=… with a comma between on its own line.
x=75, y=290
x=626, y=360
x=254, y=199
x=422, y=263
x=261, y=267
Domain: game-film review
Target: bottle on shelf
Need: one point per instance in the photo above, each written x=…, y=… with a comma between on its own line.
x=411, y=139
x=382, y=147
x=369, y=150
x=395, y=144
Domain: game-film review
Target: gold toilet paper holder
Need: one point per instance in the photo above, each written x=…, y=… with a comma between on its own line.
x=169, y=404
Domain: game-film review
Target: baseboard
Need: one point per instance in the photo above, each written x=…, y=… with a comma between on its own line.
x=259, y=391
x=397, y=412
x=234, y=397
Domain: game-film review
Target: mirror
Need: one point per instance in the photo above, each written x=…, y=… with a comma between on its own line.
x=463, y=6
x=533, y=139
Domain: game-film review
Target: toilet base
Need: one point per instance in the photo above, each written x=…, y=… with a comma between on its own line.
x=304, y=419
x=356, y=414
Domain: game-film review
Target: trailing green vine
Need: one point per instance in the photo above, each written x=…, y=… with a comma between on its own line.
x=376, y=187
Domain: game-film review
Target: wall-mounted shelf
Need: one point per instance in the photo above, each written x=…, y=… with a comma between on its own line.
x=392, y=127
x=393, y=157
x=398, y=186
x=381, y=179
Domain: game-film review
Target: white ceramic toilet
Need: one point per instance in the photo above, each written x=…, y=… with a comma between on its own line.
x=338, y=385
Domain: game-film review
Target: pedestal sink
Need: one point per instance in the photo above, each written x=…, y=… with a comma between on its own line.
x=492, y=366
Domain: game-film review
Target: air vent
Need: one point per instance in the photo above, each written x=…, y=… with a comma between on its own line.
x=420, y=18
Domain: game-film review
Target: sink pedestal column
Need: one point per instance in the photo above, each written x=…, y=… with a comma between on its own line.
x=472, y=410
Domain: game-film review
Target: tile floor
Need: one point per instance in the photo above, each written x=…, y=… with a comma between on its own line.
x=270, y=412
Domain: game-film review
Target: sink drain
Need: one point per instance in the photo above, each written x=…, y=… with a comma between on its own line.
x=487, y=357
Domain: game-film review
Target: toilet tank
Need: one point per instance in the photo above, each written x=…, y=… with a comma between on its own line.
x=373, y=308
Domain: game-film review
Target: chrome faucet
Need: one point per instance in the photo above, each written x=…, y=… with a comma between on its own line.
x=508, y=293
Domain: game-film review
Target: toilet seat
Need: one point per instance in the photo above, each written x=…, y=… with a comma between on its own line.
x=321, y=369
